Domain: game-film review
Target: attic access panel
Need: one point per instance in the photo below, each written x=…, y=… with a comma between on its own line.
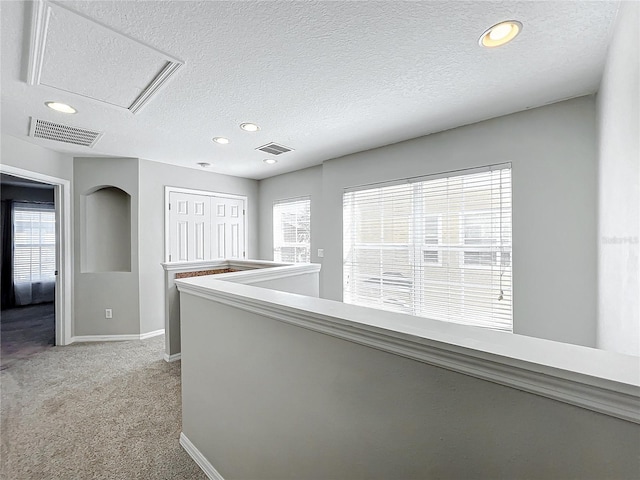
x=75, y=54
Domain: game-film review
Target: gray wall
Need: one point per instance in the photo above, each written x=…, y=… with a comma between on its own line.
x=263, y=399
x=17, y=153
x=153, y=178
x=20, y=154
x=619, y=189
x=96, y=291
x=306, y=182
x=133, y=312
x=106, y=224
x=553, y=154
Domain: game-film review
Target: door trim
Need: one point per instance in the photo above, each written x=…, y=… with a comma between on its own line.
x=64, y=281
x=168, y=190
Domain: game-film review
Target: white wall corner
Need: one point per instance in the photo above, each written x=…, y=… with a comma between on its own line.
x=172, y=358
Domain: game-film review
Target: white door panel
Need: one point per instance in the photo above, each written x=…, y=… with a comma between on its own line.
x=228, y=227
x=189, y=217
x=203, y=227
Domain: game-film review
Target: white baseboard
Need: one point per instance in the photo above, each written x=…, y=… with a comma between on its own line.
x=202, y=462
x=115, y=338
x=155, y=333
x=104, y=338
x=172, y=358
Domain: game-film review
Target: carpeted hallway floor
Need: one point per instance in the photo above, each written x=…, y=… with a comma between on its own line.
x=25, y=331
x=93, y=411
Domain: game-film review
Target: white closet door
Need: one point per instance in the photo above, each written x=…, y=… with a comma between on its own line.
x=189, y=227
x=227, y=228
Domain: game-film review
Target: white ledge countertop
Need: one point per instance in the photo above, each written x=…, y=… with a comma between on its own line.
x=598, y=380
x=223, y=262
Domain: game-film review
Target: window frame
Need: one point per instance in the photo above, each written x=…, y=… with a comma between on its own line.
x=491, y=314
x=50, y=246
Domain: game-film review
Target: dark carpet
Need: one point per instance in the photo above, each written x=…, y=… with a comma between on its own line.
x=25, y=331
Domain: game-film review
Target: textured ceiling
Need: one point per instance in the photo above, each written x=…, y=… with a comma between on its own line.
x=82, y=57
x=324, y=78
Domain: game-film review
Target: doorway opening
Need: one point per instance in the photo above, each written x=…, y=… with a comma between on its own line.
x=36, y=263
x=28, y=226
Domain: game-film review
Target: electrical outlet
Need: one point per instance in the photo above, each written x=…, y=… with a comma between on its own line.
x=108, y=313
x=321, y=252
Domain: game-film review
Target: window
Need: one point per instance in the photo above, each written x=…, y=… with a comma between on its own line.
x=292, y=230
x=478, y=239
x=436, y=247
x=432, y=238
x=34, y=243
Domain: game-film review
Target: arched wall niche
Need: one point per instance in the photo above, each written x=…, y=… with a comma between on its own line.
x=100, y=187
x=106, y=218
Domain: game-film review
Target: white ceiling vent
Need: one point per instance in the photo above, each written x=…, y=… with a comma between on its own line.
x=63, y=133
x=274, y=149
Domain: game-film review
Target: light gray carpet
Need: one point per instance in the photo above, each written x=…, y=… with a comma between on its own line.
x=93, y=411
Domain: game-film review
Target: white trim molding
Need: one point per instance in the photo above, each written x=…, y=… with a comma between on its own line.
x=172, y=358
x=39, y=24
x=199, y=458
x=273, y=273
x=220, y=263
x=155, y=333
x=116, y=338
x=104, y=338
x=64, y=239
x=602, y=381
x=156, y=85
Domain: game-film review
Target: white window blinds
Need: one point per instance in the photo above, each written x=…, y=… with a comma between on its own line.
x=436, y=247
x=34, y=243
x=292, y=230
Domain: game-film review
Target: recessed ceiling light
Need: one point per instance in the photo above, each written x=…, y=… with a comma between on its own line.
x=249, y=127
x=500, y=34
x=60, y=107
x=204, y=164
x=221, y=140
x=270, y=161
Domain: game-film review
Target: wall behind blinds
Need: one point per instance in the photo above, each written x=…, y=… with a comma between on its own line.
x=619, y=188
x=436, y=247
x=552, y=152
